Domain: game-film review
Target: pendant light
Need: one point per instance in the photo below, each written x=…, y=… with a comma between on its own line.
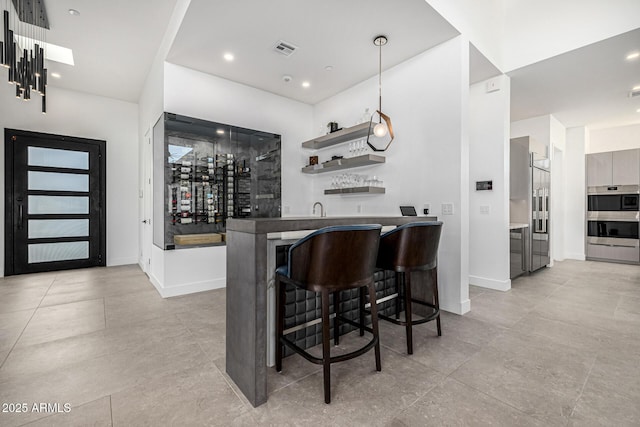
x=383, y=127
x=25, y=63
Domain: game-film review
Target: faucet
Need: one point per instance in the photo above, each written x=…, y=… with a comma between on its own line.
x=322, y=214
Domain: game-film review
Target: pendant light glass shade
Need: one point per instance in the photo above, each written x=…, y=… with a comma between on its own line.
x=380, y=130
x=383, y=127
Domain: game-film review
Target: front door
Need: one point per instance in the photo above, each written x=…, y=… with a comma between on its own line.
x=55, y=189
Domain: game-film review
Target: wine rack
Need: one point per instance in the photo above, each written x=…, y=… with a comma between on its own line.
x=206, y=173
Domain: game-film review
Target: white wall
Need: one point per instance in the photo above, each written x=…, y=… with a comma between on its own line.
x=94, y=117
x=614, y=139
x=427, y=100
x=216, y=99
x=150, y=108
x=489, y=135
x=558, y=221
x=575, y=188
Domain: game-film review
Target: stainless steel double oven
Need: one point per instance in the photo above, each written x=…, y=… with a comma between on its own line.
x=613, y=220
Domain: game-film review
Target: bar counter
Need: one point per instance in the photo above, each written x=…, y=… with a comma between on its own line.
x=248, y=272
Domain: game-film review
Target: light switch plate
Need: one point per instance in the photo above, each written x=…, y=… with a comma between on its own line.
x=447, y=209
x=485, y=209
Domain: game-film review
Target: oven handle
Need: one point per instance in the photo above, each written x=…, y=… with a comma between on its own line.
x=612, y=246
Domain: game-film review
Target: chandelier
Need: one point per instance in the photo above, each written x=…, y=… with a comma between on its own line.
x=22, y=49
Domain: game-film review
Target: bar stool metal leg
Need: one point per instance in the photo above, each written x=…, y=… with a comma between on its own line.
x=362, y=312
x=407, y=310
x=374, y=324
x=399, y=291
x=280, y=302
x=436, y=302
x=326, y=355
x=336, y=320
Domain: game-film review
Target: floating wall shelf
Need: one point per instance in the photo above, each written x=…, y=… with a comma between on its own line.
x=339, y=164
x=344, y=135
x=356, y=190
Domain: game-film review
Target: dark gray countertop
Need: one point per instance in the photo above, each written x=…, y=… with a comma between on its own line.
x=275, y=225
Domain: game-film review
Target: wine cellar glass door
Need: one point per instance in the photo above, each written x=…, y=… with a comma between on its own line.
x=55, y=202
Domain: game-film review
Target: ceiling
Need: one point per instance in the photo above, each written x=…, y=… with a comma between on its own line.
x=115, y=42
x=587, y=86
x=334, y=33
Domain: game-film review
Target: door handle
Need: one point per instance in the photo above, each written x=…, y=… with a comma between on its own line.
x=20, y=216
x=144, y=221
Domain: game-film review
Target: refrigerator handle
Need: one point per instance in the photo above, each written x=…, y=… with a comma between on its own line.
x=524, y=249
x=534, y=209
x=537, y=209
x=544, y=212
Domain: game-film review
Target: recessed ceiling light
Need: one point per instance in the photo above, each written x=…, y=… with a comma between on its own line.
x=220, y=132
x=638, y=110
x=56, y=75
x=636, y=87
x=328, y=68
x=633, y=55
x=228, y=57
x=74, y=12
x=306, y=84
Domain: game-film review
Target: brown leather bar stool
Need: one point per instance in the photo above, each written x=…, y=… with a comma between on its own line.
x=328, y=261
x=405, y=249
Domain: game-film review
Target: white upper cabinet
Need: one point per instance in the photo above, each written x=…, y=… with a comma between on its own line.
x=599, y=169
x=614, y=168
x=626, y=167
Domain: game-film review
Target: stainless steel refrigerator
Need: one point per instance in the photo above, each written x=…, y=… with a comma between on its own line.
x=529, y=200
x=540, y=186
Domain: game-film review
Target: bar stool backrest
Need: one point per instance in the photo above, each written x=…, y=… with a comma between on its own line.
x=335, y=258
x=412, y=246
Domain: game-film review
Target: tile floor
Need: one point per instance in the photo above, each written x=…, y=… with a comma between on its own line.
x=561, y=348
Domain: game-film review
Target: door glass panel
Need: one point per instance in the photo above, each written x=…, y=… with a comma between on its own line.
x=58, y=181
x=47, y=228
x=42, y=205
x=64, y=251
x=50, y=157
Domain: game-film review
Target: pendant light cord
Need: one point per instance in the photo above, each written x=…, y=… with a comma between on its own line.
x=380, y=82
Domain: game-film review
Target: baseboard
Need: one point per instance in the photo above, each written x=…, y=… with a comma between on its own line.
x=483, y=282
x=462, y=308
x=121, y=261
x=465, y=306
x=187, y=288
x=576, y=256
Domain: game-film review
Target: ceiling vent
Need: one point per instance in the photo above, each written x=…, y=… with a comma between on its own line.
x=285, y=48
